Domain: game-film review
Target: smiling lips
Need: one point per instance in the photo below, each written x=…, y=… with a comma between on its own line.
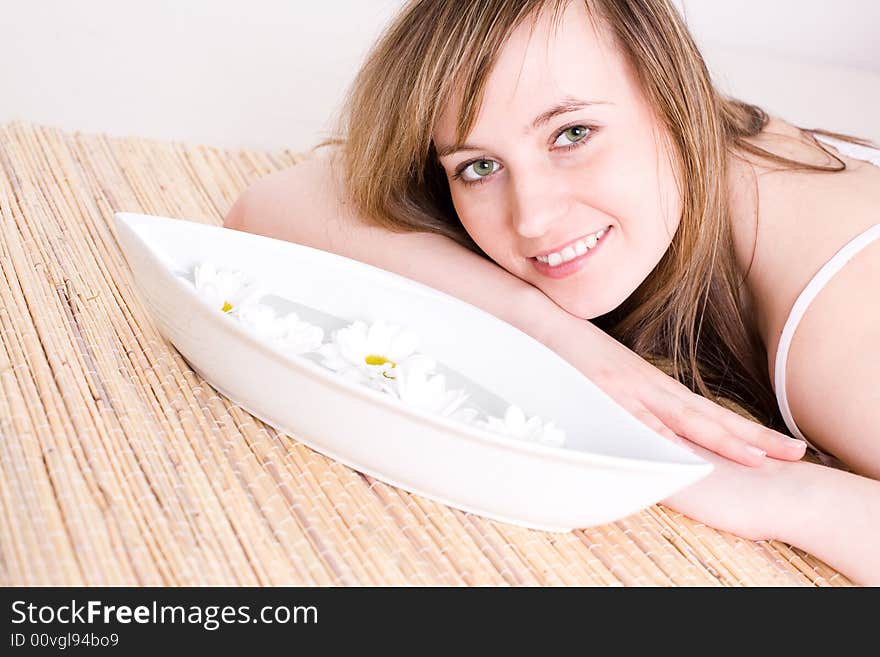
x=570, y=259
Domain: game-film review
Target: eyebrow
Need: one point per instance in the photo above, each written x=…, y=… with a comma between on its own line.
x=566, y=105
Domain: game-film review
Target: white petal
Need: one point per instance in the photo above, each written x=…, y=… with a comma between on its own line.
x=514, y=417
x=553, y=435
x=204, y=273
x=379, y=336
x=260, y=318
x=246, y=294
x=404, y=345
x=532, y=427
x=331, y=358
x=352, y=343
x=420, y=363
x=494, y=424
x=299, y=337
x=300, y=343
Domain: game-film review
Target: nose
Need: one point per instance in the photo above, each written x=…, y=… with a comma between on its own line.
x=538, y=202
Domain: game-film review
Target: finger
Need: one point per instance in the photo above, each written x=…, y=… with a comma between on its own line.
x=773, y=443
x=693, y=423
x=653, y=422
x=695, y=419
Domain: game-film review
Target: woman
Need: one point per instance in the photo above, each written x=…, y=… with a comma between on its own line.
x=561, y=161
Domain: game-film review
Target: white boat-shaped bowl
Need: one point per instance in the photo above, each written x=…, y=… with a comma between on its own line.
x=611, y=466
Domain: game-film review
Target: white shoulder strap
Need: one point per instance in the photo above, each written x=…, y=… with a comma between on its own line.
x=828, y=270
x=855, y=151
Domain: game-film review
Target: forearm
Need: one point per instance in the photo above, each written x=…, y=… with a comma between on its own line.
x=834, y=515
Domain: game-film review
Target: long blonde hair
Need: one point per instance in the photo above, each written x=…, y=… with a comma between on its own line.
x=689, y=311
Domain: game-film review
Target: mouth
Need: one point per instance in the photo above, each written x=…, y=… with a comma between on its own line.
x=581, y=252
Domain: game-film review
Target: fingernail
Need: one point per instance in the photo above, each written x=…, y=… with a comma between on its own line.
x=755, y=451
x=795, y=441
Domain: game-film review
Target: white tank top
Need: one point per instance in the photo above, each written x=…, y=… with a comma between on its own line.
x=817, y=282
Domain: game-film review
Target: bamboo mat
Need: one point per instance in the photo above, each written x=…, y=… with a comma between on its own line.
x=120, y=466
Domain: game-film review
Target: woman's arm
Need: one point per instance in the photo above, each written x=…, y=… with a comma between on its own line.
x=837, y=520
x=306, y=204
x=832, y=514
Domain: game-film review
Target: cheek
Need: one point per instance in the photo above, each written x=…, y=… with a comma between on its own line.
x=482, y=218
x=639, y=189
x=464, y=208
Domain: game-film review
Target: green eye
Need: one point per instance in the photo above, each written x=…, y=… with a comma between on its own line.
x=483, y=167
x=476, y=171
x=572, y=135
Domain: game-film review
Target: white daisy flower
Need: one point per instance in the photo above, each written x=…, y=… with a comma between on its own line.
x=288, y=333
x=414, y=385
x=517, y=426
x=261, y=319
x=466, y=414
x=366, y=353
x=297, y=336
x=225, y=289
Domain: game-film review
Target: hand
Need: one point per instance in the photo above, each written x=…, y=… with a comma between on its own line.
x=672, y=410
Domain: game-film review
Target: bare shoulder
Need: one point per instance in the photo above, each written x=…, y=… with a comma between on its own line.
x=803, y=219
x=794, y=221
x=278, y=203
x=833, y=363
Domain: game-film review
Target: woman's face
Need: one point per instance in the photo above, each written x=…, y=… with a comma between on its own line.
x=564, y=146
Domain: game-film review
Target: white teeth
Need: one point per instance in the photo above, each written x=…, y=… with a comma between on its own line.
x=572, y=251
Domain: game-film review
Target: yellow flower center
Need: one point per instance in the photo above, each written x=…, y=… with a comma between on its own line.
x=226, y=306
x=373, y=359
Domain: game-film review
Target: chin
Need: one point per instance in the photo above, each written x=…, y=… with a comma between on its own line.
x=588, y=309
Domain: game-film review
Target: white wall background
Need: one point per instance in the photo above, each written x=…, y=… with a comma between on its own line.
x=270, y=73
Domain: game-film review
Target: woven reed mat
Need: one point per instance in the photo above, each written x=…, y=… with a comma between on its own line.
x=120, y=466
